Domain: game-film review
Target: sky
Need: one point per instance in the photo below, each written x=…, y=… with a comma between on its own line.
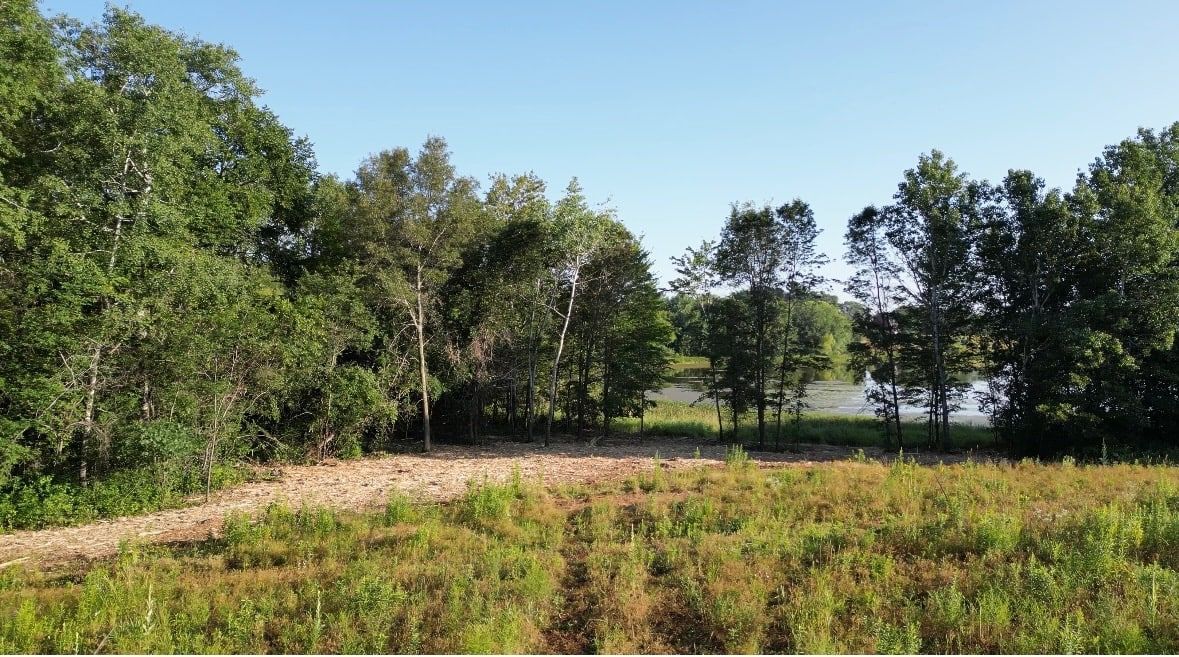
x=670, y=111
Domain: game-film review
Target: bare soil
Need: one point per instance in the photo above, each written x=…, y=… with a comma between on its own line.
x=355, y=485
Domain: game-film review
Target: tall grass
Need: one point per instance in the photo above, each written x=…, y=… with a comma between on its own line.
x=681, y=362
x=842, y=557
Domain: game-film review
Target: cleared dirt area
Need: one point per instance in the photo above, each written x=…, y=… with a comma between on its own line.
x=438, y=476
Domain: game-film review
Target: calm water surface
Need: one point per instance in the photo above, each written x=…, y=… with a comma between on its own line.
x=838, y=397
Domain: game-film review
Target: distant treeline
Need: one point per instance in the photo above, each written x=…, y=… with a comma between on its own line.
x=1068, y=302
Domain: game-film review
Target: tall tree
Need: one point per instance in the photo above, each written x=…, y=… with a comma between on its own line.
x=528, y=236
x=800, y=277
x=29, y=79
x=874, y=284
x=930, y=226
x=733, y=342
x=419, y=216
x=750, y=255
x=580, y=232
x=1030, y=251
x=636, y=333
x=1130, y=287
x=696, y=281
x=152, y=176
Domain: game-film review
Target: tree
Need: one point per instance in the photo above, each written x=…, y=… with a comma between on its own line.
x=579, y=234
x=149, y=174
x=874, y=284
x=331, y=320
x=527, y=243
x=535, y=288
x=800, y=277
x=750, y=255
x=1031, y=250
x=635, y=331
x=419, y=216
x=733, y=343
x=930, y=226
x=688, y=321
x=494, y=304
x=697, y=278
x=29, y=79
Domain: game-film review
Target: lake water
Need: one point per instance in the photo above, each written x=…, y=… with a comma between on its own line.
x=837, y=397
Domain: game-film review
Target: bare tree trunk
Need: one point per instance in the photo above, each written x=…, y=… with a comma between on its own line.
x=761, y=377
x=720, y=425
x=943, y=408
x=583, y=375
x=473, y=413
x=896, y=403
x=548, y=430
x=533, y=347
x=145, y=411
x=210, y=452
x=419, y=323
x=88, y=419
x=782, y=373
x=642, y=412
x=89, y=433
x=327, y=433
x=931, y=415
x=510, y=410
x=939, y=403
x=605, y=397
x=530, y=401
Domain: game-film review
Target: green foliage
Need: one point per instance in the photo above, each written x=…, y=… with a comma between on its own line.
x=1081, y=341
x=136, y=333
x=1068, y=302
x=44, y=502
x=735, y=457
x=179, y=288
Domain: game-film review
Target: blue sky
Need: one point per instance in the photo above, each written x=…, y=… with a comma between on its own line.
x=673, y=110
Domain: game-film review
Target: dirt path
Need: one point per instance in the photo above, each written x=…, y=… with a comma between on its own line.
x=441, y=475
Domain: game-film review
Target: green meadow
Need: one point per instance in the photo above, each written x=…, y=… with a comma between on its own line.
x=855, y=556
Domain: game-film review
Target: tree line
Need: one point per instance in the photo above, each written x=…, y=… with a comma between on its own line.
x=180, y=286
x=1066, y=301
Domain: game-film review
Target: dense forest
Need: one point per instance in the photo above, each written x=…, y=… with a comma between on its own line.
x=182, y=290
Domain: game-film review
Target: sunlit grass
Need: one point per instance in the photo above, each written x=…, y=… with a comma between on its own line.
x=842, y=557
x=681, y=362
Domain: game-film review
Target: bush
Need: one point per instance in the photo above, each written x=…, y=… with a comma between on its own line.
x=46, y=502
x=158, y=443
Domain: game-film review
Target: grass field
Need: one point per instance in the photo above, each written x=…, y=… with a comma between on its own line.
x=842, y=557
x=680, y=419
x=688, y=362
